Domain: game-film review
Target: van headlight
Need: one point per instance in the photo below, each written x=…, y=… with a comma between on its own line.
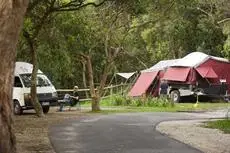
x=54, y=94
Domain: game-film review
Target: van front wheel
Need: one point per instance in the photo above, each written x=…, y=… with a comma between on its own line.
x=45, y=109
x=17, y=108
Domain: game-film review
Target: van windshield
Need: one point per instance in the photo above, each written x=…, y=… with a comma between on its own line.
x=42, y=80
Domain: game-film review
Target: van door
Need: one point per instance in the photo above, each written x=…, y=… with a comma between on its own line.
x=18, y=92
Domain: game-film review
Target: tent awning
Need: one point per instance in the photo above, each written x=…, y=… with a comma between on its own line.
x=142, y=84
x=206, y=72
x=126, y=75
x=176, y=74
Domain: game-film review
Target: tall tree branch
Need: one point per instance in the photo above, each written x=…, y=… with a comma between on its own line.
x=224, y=20
x=74, y=7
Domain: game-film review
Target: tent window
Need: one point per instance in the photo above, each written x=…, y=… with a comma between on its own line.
x=206, y=72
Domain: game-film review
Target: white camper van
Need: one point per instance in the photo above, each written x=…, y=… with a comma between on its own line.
x=21, y=92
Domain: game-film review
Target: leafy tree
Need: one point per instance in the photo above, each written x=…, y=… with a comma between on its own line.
x=145, y=31
x=182, y=28
x=96, y=36
x=39, y=13
x=217, y=11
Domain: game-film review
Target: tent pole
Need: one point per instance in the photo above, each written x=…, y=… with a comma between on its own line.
x=155, y=83
x=109, y=83
x=132, y=82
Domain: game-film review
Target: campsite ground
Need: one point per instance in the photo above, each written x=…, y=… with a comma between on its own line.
x=195, y=133
x=32, y=132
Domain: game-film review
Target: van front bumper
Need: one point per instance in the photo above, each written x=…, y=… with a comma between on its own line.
x=43, y=101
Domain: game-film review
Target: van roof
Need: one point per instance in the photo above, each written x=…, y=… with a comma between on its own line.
x=23, y=68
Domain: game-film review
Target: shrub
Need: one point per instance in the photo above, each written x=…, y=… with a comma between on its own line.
x=148, y=102
x=158, y=102
x=152, y=102
x=137, y=102
x=118, y=100
x=128, y=101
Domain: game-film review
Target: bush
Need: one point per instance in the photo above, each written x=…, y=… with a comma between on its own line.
x=154, y=102
x=128, y=101
x=137, y=102
x=148, y=102
x=118, y=100
x=158, y=102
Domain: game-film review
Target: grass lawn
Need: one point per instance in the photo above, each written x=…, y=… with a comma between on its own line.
x=180, y=107
x=223, y=125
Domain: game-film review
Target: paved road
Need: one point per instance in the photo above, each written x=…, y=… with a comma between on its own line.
x=120, y=133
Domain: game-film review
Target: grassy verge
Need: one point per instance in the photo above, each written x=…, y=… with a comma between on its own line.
x=188, y=107
x=223, y=125
x=152, y=104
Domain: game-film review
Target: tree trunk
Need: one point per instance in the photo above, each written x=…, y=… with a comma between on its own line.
x=84, y=78
x=34, y=98
x=96, y=103
x=107, y=69
x=11, y=20
x=94, y=95
x=104, y=76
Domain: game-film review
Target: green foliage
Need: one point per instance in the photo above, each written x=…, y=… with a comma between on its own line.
x=226, y=50
x=140, y=102
x=223, y=125
x=118, y=101
x=147, y=31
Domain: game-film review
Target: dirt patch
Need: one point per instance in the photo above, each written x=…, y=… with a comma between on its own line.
x=32, y=132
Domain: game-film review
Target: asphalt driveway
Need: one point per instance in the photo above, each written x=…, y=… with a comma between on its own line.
x=118, y=133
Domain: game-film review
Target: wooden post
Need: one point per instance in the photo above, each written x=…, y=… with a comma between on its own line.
x=111, y=93
x=143, y=99
x=122, y=89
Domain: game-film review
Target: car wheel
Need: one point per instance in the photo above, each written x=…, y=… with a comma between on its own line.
x=175, y=96
x=17, y=108
x=45, y=109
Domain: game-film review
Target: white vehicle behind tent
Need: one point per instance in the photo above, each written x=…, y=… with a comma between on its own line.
x=46, y=92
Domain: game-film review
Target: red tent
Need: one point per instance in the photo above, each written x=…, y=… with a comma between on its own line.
x=142, y=84
x=147, y=78
x=207, y=72
x=185, y=71
x=195, y=65
x=177, y=74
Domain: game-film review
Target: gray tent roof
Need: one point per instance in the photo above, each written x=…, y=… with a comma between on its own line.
x=161, y=65
x=194, y=59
